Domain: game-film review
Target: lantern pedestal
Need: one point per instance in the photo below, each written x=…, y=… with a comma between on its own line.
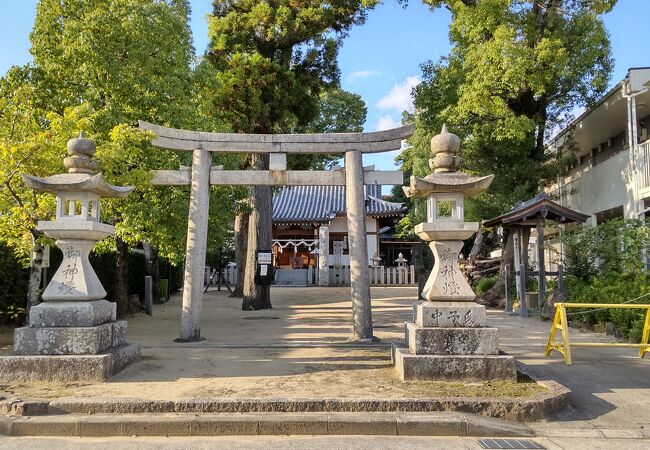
x=450, y=341
x=70, y=341
x=68, y=368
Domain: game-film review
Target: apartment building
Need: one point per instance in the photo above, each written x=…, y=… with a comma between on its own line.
x=611, y=175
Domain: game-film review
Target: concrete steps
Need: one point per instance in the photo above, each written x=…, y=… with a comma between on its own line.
x=402, y=424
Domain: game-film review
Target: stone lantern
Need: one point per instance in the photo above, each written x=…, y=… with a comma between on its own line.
x=448, y=338
x=376, y=260
x=401, y=261
x=73, y=335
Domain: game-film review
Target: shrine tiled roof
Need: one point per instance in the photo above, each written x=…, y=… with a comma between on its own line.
x=317, y=204
x=524, y=214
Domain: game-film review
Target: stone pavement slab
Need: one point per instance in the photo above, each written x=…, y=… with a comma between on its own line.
x=302, y=442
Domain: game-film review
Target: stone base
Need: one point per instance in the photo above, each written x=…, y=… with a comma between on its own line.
x=451, y=341
x=69, y=340
x=67, y=368
x=471, y=368
x=72, y=314
x=449, y=314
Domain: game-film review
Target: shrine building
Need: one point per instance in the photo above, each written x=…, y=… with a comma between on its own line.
x=308, y=217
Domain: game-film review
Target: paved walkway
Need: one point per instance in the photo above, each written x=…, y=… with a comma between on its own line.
x=298, y=348
x=610, y=386
x=302, y=442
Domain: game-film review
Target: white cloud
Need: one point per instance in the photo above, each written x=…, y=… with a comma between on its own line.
x=361, y=74
x=386, y=123
x=399, y=97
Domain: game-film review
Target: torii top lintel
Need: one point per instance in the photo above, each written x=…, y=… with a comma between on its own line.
x=373, y=142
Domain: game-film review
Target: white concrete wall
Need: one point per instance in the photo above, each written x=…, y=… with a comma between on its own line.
x=602, y=187
x=340, y=225
x=345, y=260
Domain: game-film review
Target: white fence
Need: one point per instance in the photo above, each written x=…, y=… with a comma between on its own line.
x=393, y=276
x=379, y=276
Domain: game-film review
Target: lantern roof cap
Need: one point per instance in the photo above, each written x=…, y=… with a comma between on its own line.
x=76, y=182
x=447, y=182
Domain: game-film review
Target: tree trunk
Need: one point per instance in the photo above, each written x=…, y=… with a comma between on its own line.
x=153, y=269
x=259, y=238
x=241, y=245
x=495, y=295
x=35, y=274
x=478, y=245
x=121, y=289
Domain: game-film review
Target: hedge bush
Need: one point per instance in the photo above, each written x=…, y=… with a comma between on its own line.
x=14, y=278
x=611, y=289
x=104, y=265
x=604, y=264
x=609, y=249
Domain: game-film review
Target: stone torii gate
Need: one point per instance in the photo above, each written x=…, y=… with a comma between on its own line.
x=201, y=175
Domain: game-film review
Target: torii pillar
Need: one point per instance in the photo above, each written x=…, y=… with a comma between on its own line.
x=197, y=240
x=359, y=273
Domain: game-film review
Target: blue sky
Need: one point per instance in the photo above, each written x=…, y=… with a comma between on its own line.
x=380, y=60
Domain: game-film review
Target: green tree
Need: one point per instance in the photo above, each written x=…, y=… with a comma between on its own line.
x=516, y=70
x=124, y=60
x=273, y=60
x=610, y=249
x=339, y=111
x=129, y=59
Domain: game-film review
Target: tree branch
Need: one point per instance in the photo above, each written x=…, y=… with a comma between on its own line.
x=14, y=194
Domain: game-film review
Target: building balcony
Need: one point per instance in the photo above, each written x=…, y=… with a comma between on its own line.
x=610, y=185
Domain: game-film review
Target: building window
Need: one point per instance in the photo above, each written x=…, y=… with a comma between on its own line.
x=609, y=214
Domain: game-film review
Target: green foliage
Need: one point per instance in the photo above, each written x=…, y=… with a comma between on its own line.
x=339, y=111
x=99, y=66
x=273, y=60
x=610, y=249
x=416, y=214
x=484, y=284
x=129, y=59
x=123, y=60
x=26, y=148
x=604, y=264
x=611, y=288
x=516, y=69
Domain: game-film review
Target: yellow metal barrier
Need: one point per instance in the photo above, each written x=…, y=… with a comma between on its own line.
x=560, y=323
